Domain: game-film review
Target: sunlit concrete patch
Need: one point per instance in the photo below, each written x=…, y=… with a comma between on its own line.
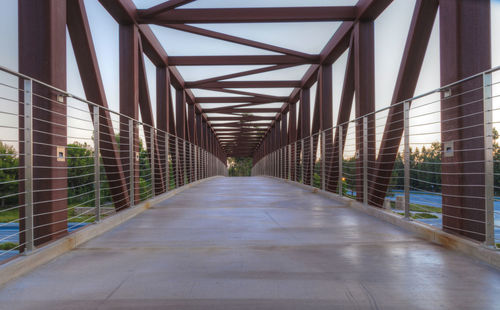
x=256, y=243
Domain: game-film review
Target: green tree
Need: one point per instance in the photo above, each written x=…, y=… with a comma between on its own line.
x=9, y=175
x=240, y=166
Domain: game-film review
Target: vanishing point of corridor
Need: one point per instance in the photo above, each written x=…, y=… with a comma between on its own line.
x=255, y=243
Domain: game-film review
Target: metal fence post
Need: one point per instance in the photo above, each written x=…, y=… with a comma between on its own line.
x=131, y=141
x=184, y=171
x=195, y=163
x=365, y=160
x=28, y=165
x=97, y=166
x=295, y=178
x=341, y=160
x=152, y=160
x=167, y=164
x=323, y=160
x=177, y=164
x=312, y=160
x=289, y=166
x=301, y=160
x=406, y=108
x=488, y=161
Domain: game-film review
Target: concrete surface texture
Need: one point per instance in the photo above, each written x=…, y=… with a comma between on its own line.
x=256, y=243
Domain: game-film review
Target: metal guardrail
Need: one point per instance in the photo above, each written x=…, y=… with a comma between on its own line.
x=89, y=156
x=422, y=165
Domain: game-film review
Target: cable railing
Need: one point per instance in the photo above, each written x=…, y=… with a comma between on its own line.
x=66, y=163
x=433, y=158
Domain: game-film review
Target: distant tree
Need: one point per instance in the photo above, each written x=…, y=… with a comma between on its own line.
x=240, y=166
x=9, y=174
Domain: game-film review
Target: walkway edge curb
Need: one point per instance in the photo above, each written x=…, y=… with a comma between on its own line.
x=23, y=264
x=468, y=247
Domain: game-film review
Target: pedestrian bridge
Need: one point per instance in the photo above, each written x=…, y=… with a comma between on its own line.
x=122, y=120
x=256, y=243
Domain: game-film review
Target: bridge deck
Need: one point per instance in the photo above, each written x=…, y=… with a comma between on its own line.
x=255, y=243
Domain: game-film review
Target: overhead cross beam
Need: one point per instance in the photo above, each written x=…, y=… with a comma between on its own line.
x=249, y=15
x=231, y=60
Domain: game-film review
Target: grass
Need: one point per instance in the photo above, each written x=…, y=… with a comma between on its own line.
x=12, y=215
x=9, y=216
x=420, y=208
x=417, y=216
x=8, y=246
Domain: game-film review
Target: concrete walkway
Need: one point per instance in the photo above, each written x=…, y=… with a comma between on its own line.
x=256, y=243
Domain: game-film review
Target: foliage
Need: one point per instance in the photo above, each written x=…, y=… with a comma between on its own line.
x=8, y=246
x=240, y=166
x=8, y=175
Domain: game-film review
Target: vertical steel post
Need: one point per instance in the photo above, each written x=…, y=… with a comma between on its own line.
x=132, y=159
x=28, y=165
x=488, y=161
x=323, y=160
x=196, y=163
x=167, y=164
x=365, y=160
x=312, y=159
x=177, y=164
x=191, y=172
x=301, y=158
x=407, y=158
x=341, y=160
x=184, y=174
x=289, y=167
x=97, y=166
x=152, y=159
x=295, y=162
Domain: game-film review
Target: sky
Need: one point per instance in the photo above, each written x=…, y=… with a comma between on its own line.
x=391, y=29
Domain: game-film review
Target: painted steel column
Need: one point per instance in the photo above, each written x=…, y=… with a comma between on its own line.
x=284, y=143
x=364, y=83
x=163, y=110
x=42, y=55
x=129, y=102
x=292, y=137
x=326, y=120
x=465, y=50
x=305, y=132
x=180, y=122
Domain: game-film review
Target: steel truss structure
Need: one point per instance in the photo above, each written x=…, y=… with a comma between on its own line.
x=465, y=51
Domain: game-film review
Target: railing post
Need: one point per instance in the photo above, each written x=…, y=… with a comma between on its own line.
x=167, y=164
x=406, y=108
x=301, y=160
x=177, y=164
x=97, y=166
x=289, y=166
x=184, y=171
x=152, y=160
x=131, y=141
x=195, y=163
x=488, y=161
x=323, y=161
x=365, y=160
x=341, y=160
x=28, y=165
x=312, y=160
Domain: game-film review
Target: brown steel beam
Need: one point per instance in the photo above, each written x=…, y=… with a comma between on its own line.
x=465, y=50
x=129, y=101
x=86, y=59
x=238, y=74
x=251, y=84
x=236, y=99
x=251, y=15
x=413, y=56
x=343, y=116
x=165, y=6
x=242, y=119
x=42, y=55
x=232, y=60
x=238, y=40
x=149, y=132
x=364, y=83
x=231, y=110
